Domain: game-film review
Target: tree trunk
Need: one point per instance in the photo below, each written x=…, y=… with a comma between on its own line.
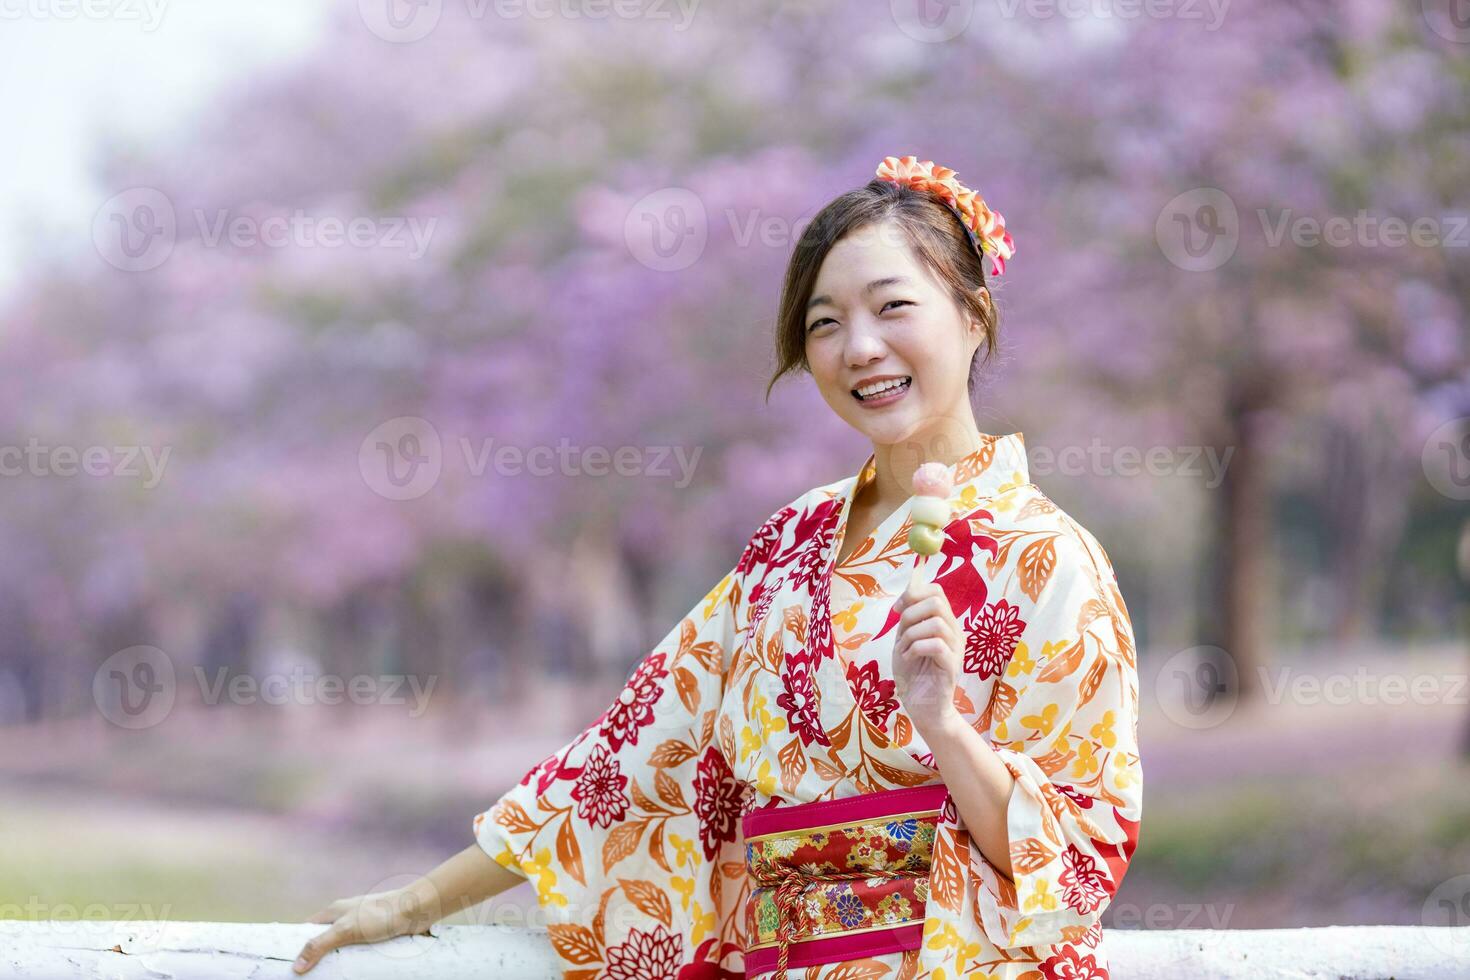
x=1240, y=588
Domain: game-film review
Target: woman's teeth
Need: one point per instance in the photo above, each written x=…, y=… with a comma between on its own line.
x=882, y=389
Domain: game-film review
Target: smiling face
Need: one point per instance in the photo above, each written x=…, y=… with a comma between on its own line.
x=877, y=313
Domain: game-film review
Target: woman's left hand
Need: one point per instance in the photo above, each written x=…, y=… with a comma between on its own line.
x=927, y=656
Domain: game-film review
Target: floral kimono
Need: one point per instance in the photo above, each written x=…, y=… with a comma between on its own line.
x=776, y=691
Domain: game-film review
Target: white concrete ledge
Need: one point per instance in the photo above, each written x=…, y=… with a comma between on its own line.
x=236, y=951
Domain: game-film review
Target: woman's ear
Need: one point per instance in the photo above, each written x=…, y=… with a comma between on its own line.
x=976, y=328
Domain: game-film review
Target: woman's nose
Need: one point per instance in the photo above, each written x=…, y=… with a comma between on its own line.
x=862, y=345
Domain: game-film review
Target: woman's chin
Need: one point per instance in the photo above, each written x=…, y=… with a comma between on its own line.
x=892, y=428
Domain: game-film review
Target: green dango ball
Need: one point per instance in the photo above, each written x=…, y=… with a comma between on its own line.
x=926, y=539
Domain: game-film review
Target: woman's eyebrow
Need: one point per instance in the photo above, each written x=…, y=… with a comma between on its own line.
x=870, y=287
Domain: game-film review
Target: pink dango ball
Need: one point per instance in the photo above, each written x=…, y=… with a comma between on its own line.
x=933, y=480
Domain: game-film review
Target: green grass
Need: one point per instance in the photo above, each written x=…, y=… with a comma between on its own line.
x=1396, y=830
x=101, y=857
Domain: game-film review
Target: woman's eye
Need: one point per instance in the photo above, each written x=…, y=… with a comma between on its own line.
x=827, y=319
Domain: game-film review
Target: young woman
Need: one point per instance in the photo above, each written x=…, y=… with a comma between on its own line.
x=780, y=784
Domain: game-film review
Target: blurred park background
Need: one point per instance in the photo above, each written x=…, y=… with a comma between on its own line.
x=326, y=324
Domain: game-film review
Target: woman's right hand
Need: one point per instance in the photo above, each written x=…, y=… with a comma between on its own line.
x=370, y=918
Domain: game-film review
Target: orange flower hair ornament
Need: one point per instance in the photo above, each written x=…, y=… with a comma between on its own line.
x=986, y=228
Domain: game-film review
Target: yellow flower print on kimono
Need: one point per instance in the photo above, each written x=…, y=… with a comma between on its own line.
x=776, y=690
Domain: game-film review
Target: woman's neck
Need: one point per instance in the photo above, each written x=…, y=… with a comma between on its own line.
x=894, y=464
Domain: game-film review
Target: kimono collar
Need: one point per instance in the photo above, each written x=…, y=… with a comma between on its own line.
x=999, y=464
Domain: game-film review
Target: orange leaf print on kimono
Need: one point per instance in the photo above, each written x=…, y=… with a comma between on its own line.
x=776, y=689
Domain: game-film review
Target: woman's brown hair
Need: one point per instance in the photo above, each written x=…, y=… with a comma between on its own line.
x=933, y=230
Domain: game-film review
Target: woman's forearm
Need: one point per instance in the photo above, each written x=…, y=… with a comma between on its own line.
x=461, y=882
x=980, y=785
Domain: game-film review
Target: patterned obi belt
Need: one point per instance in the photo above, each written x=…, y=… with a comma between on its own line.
x=838, y=879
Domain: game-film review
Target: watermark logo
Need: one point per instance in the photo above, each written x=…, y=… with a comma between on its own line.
x=138, y=229
x=298, y=229
x=932, y=21
x=302, y=687
x=402, y=458
x=1198, y=230
x=1449, y=906
x=1363, y=686
x=777, y=231
x=396, y=899
x=147, y=13
x=128, y=462
x=138, y=687
x=1096, y=459
x=667, y=229
x=1446, y=459
x=1363, y=230
x=1196, y=688
x=1211, y=12
x=566, y=459
x=1450, y=19
x=1162, y=915
x=96, y=924
x=406, y=21
x=401, y=21
x=135, y=230
x=135, y=688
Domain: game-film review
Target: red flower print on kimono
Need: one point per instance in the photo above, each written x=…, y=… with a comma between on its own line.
x=1072, y=965
x=634, y=707
x=990, y=639
x=819, y=628
x=762, y=546
x=601, y=790
x=651, y=955
x=554, y=767
x=760, y=602
x=1084, y=886
x=873, y=694
x=956, y=570
x=958, y=573
x=800, y=699
x=718, y=800
x=814, y=534
x=1081, y=799
x=705, y=967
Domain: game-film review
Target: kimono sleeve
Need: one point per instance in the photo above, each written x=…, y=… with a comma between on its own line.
x=1066, y=726
x=628, y=832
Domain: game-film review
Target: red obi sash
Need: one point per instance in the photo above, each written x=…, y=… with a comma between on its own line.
x=838, y=879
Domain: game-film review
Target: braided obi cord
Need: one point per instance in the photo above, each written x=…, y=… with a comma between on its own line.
x=790, y=883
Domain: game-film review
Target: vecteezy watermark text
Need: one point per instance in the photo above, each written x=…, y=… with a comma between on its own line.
x=1100, y=460
x=35, y=459
x=1211, y=12
x=403, y=458
x=1364, y=686
x=136, y=230
x=148, y=13
x=1200, y=229
x=1364, y=230
x=406, y=21
x=300, y=686
x=581, y=460
x=137, y=687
